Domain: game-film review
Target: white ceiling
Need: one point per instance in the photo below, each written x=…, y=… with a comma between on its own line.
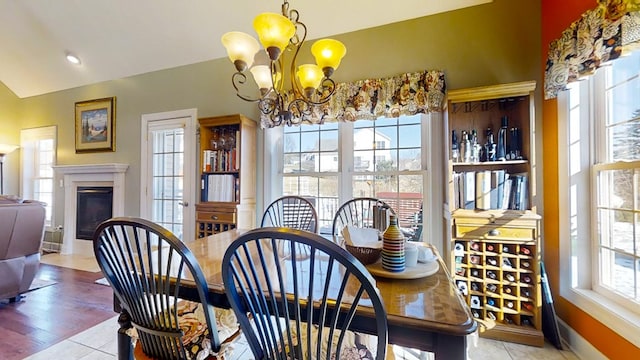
x=119, y=38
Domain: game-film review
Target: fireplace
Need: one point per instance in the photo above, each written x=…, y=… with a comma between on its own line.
x=84, y=210
x=94, y=205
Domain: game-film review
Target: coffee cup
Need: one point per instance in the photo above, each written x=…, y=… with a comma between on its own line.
x=410, y=255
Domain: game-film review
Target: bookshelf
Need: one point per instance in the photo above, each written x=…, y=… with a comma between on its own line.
x=492, y=223
x=227, y=174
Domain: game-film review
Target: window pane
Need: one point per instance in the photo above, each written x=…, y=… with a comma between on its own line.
x=624, y=140
x=410, y=159
x=309, y=141
x=387, y=136
x=386, y=160
x=291, y=163
x=622, y=101
x=291, y=142
x=329, y=140
x=363, y=161
x=616, y=189
x=409, y=136
x=328, y=162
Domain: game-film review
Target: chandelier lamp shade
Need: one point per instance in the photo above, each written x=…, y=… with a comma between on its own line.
x=310, y=84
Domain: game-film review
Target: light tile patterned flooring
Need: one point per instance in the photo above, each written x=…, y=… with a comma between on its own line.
x=99, y=342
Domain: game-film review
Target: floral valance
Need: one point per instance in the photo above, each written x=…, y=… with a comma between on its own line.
x=406, y=94
x=600, y=35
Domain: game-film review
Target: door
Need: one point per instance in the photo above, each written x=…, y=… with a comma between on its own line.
x=168, y=164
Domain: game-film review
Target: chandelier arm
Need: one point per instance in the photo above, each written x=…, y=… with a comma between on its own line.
x=240, y=78
x=301, y=110
x=325, y=96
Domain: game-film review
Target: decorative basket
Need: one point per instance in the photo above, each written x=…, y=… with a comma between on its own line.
x=365, y=255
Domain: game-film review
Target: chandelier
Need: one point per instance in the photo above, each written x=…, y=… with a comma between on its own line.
x=310, y=84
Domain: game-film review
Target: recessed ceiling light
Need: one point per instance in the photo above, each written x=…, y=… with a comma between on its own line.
x=73, y=59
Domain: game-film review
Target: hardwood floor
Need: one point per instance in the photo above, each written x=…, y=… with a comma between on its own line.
x=51, y=314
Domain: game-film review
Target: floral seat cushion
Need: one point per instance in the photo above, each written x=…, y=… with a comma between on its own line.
x=192, y=322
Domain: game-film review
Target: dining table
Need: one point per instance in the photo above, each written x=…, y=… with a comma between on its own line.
x=426, y=313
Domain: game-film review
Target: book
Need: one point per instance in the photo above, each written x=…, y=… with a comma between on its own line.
x=469, y=190
x=483, y=190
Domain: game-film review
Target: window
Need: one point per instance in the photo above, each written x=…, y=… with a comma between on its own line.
x=38, y=156
x=602, y=147
x=331, y=163
x=310, y=167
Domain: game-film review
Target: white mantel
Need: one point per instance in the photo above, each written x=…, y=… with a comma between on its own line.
x=112, y=174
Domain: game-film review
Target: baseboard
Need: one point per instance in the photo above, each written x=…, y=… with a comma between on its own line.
x=581, y=347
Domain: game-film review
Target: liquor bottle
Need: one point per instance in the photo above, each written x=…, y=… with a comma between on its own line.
x=475, y=147
x=490, y=147
x=455, y=152
x=501, y=149
x=465, y=147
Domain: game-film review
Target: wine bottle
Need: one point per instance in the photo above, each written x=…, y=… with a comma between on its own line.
x=465, y=147
x=455, y=152
x=490, y=147
x=501, y=149
x=475, y=147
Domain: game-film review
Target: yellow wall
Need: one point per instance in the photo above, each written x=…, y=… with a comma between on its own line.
x=10, y=134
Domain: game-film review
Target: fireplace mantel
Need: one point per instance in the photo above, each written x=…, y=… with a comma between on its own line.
x=91, y=168
x=111, y=174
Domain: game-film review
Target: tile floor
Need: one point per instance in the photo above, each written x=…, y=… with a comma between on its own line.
x=99, y=342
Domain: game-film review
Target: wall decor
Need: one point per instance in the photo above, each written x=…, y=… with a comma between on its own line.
x=96, y=125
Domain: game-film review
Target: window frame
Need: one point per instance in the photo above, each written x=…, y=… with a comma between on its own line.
x=432, y=135
x=579, y=266
x=29, y=158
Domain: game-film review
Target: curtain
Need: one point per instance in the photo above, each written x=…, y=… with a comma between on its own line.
x=600, y=35
x=405, y=94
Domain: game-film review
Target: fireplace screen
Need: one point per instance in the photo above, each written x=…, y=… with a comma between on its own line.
x=94, y=206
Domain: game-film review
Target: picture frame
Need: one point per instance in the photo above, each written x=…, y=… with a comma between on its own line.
x=95, y=125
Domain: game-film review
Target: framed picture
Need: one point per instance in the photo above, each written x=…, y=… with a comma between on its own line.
x=96, y=125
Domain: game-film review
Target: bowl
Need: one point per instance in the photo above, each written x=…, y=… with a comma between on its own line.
x=365, y=255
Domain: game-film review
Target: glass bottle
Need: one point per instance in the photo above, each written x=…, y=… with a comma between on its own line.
x=490, y=147
x=393, y=247
x=501, y=149
x=476, y=148
x=455, y=152
x=465, y=147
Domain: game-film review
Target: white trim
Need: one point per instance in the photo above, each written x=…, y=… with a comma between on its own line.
x=578, y=292
x=88, y=175
x=577, y=344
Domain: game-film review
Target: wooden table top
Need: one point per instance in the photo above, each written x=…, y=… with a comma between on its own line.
x=430, y=304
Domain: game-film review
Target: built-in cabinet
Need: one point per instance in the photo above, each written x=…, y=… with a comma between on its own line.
x=227, y=174
x=493, y=226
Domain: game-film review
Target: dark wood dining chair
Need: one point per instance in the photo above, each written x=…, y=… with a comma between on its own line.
x=293, y=212
x=275, y=298
x=146, y=266
x=362, y=212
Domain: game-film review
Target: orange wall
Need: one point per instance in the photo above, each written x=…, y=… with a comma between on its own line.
x=557, y=16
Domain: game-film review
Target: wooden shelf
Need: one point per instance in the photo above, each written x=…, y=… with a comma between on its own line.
x=495, y=253
x=231, y=165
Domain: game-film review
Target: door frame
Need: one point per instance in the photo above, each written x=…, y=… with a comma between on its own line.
x=190, y=142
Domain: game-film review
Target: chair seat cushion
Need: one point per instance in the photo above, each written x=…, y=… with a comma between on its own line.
x=355, y=346
x=192, y=322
